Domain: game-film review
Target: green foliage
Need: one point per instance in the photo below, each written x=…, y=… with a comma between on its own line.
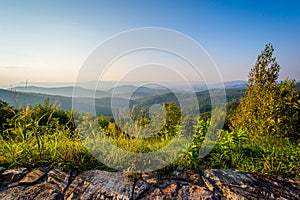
x=269, y=155
x=103, y=121
x=191, y=155
x=43, y=136
x=6, y=113
x=36, y=137
x=235, y=150
x=269, y=108
x=171, y=110
x=52, y=150
x=48, y=112
x=43, y=119
x=231, y=109
x=173, y=116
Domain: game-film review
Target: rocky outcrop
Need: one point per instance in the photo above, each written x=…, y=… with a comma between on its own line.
x=45, y=183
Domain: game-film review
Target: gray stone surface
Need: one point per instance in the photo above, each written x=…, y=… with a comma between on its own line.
x=100, y=185
x=244, y=185
x=43, y=183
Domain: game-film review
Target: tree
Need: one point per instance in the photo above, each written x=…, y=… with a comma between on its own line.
x=269, y=108
x=6, y=113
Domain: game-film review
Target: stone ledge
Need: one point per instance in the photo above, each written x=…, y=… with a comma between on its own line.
x=44, y=183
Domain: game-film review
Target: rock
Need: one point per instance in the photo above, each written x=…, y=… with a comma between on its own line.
x=2, y=169
x=183, y=190
x=50, y=194
x=180, y=190
x=32, y=186
x=155, y=194
x=188, y=175
x=12, y=175
x=33, y=176
x=38, y=191
x=171, y=190
x=100, y=185
x=12, y=193
x=196, y=192
x=141, y=188
x=59, y=178
x=183, y=184
x=243, y=185
x=150, y=178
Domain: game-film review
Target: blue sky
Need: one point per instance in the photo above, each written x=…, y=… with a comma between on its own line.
x=49, y=40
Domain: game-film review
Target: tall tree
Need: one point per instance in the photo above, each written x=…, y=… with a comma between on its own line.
x=269, y=108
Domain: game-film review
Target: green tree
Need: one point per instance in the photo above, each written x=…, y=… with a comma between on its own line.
x=6, y=113
x=103, y=121
x=269, y=108
x=173, y=116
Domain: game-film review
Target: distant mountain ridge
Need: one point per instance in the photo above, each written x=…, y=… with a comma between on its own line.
x=106, y=85
x=121, y=88
x=139, y=97
x=22, y=99
x=103, y=105
x=62, y=91
x=123, y=91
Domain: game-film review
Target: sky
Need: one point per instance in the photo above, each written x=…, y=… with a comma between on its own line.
x=49, y=41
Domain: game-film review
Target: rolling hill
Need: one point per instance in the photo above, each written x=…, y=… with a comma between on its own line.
x=125, y=91
x=142, y=97
x=83, y=104
x=62, y=91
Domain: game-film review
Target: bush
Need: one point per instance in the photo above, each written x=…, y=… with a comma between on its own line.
x=6, y=113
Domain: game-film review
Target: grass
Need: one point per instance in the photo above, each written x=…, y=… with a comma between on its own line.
x=54, y=150
x=45, y=136
x=268, y=155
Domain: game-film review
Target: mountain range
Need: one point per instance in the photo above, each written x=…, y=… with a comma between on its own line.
x=122, y=95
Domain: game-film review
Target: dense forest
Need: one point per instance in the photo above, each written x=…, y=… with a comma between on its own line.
x=261, y=132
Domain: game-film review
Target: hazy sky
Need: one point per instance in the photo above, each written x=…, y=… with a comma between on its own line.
x=50, y=40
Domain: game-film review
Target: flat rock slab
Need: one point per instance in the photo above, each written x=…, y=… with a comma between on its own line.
x=34, y=185
x=100, y=185
x=33, y=176
x=243, y=185
x=11, y=176
x=43, y=183
x=38, y=191
x=181, y=190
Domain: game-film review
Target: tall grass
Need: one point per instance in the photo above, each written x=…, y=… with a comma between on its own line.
x=46, y=136
x=35, y=137
x=268, y=155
